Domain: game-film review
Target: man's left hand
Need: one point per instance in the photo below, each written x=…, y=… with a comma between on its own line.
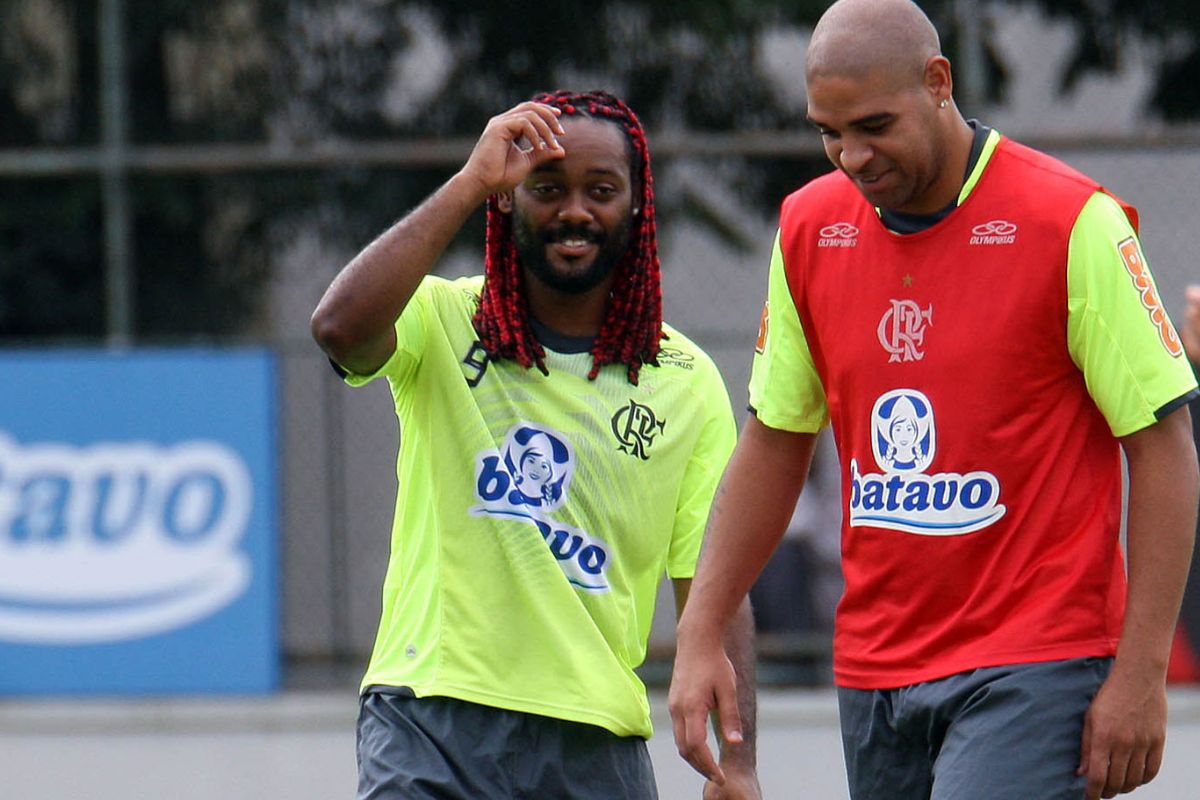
x=1123, y=734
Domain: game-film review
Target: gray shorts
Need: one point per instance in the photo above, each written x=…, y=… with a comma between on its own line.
x=439, y=747
x=989, y=733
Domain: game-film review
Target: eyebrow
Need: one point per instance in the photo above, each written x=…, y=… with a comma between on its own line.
x=556, y=166
x=870, y=119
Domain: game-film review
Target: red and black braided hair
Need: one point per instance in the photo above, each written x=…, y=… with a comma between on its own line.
x=632, y=326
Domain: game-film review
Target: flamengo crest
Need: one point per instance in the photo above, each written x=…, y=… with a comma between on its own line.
x=902, y=330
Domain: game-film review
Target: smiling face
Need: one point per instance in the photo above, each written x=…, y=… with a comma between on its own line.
x=883, y=133
x=572, y=216
x=904, y=432
x=535, y=467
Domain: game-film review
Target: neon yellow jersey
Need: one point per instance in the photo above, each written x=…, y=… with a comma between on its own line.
x=537, y=515
x=1117, y=331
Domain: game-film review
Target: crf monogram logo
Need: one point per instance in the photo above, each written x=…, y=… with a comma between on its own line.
x=636, y=427
x=902, y=330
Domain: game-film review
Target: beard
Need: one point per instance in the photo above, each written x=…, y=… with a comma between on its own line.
x=531, y=252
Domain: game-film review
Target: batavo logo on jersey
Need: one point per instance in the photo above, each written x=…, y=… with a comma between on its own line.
x=529, y=478
x=1131, y=255
x=903, y=497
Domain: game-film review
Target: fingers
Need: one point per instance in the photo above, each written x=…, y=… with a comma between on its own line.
x=513, y=144
x=1154, y=761
x=1116, y=766
x=727, y=710
x=536, y=123
x=691, y=740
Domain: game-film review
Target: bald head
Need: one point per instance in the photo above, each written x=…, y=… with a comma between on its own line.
x=854, y=38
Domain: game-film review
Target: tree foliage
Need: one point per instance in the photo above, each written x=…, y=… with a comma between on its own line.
x=292, y=72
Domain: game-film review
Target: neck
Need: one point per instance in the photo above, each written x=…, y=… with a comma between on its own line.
x=566, y=313
x=950, y=181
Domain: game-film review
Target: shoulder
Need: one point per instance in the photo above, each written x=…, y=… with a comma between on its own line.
x=1044, y=166
x=451, y=289
x=830, y=186
x=678, y=352
x=445, y=299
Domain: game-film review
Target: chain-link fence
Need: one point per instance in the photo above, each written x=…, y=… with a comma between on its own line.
x=108, y=238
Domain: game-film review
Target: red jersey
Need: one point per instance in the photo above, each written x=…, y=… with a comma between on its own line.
x=981, y=483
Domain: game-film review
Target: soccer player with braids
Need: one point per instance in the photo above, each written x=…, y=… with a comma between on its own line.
x=559, y=449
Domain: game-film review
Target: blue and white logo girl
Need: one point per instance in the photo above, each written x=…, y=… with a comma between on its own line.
x=903, y=497
x=903, y=435
x=528, y=478
x=541, y=465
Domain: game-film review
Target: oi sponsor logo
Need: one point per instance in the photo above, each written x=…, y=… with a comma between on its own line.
x=903, y=497
x=529, y=478
x=117, y=541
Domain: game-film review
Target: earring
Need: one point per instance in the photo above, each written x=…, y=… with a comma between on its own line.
x=944, y=102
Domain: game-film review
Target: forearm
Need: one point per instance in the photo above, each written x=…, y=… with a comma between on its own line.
x=354, y=321
x=739, y=647
x=1163, y=488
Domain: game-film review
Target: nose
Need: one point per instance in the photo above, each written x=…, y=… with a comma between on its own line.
x=855, y=154
x=575, y=208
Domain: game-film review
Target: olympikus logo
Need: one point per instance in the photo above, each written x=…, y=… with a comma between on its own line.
x=997, y=231
x=839, y=234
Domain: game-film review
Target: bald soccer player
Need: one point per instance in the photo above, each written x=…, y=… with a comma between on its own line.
x=977, y=322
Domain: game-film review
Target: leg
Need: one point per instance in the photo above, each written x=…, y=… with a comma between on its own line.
x=883, y=761
x=427, y=748
x=1016, y=732
x=574, y=761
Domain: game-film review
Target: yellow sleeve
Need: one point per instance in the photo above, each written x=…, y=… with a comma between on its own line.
x=411, y=330
x=785, y=389
x=701, y=476
x=1118, y=332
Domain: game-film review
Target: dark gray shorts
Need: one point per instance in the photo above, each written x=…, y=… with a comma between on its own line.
x=998, y=732
x=439, y=747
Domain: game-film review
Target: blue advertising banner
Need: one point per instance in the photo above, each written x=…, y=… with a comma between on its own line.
x=137, y=522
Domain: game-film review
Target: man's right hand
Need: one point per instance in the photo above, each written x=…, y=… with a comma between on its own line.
x=512, y=145
x=703, y=680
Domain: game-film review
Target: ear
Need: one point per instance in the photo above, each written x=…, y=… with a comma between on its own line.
x=504, y=201
x=938, y=80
